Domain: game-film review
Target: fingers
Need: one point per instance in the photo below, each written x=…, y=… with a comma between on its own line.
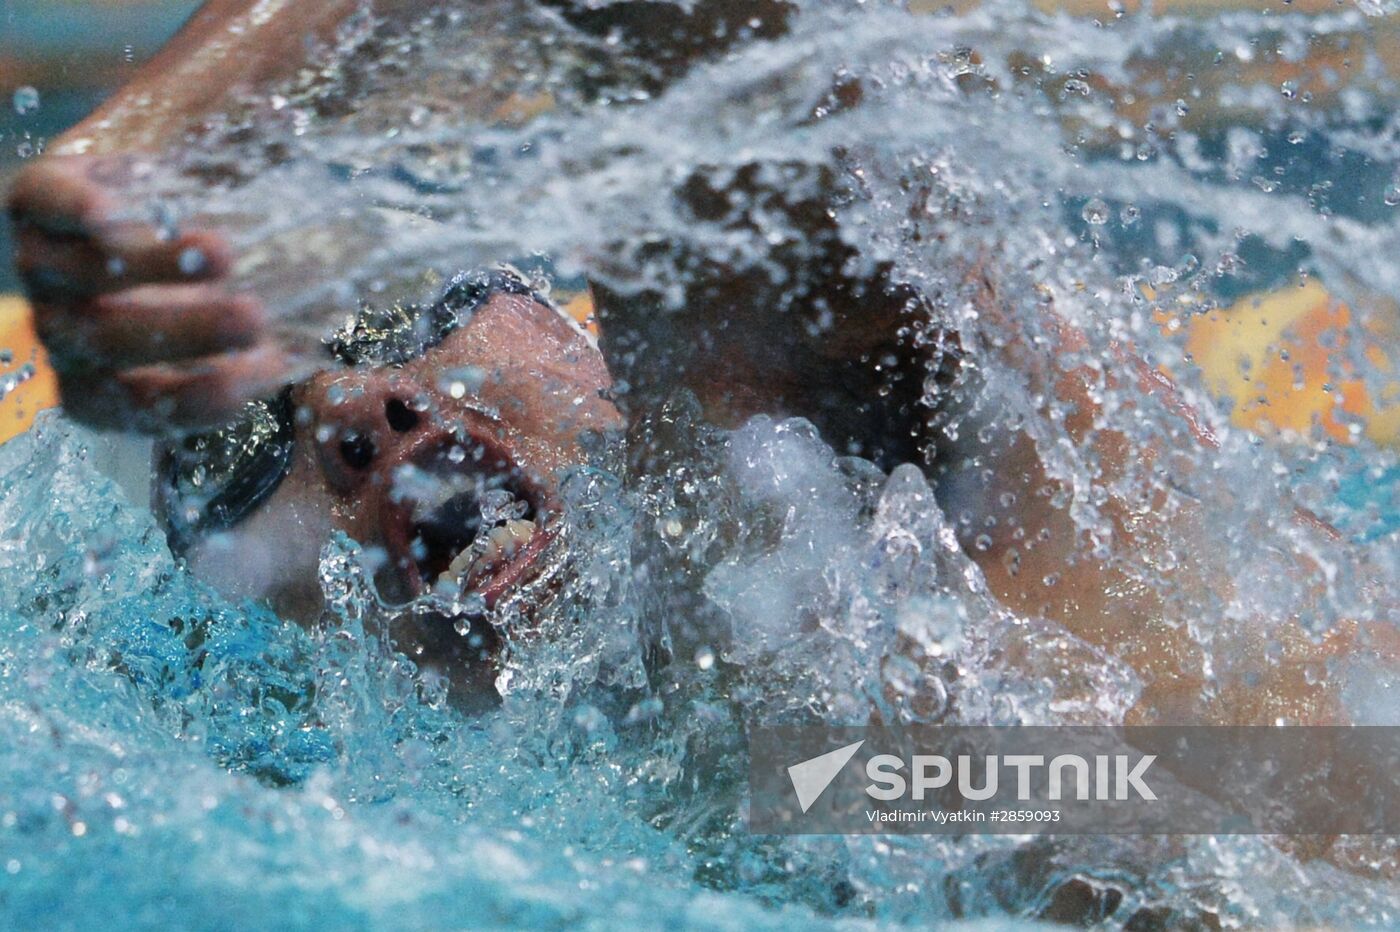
x=146, y=325
x=71, y=246
x=73, y=242
x=117, y=257
x=57, y=197
x=170, y=323
x=191, y=395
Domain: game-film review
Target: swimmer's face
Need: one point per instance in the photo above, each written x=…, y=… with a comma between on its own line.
x=445, y=468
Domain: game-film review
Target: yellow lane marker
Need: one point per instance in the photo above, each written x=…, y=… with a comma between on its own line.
x=21, y=354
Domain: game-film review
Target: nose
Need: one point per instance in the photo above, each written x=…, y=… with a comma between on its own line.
x=366, y=425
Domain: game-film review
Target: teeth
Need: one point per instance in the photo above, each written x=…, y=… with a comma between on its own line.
x=520, y=530
x=499, y=544
x=461, y=563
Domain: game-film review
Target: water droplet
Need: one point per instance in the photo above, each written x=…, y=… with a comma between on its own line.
x=1392, y=193
x=13, y=380
x=1076, y=86
x=26, y=100
x=192, y=262
x=460, y=381
x=1096, y=212
x=1130, y=215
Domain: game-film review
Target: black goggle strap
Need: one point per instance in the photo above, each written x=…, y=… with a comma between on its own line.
x=209, y=482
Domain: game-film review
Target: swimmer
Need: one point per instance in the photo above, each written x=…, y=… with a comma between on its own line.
x=147, y=337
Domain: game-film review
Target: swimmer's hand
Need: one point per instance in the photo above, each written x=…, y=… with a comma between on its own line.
x=142, y=328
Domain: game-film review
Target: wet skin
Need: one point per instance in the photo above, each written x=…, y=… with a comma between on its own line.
x=150, y=334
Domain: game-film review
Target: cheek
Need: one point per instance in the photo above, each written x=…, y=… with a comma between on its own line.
x=557, y=403
x=274, y=556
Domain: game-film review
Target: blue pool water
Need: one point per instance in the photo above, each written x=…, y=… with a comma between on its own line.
x=169, y=759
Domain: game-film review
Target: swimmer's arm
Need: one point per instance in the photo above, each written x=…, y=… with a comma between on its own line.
x=228, y=48
x=233, y=48
x=1038, y=561
x=152, y=333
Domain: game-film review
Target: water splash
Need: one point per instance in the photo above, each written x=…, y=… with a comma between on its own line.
x=722, y=578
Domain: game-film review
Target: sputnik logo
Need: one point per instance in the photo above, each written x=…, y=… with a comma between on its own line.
x=811, y=777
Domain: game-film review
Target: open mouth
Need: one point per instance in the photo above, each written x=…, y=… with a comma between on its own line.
x=466, y=524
